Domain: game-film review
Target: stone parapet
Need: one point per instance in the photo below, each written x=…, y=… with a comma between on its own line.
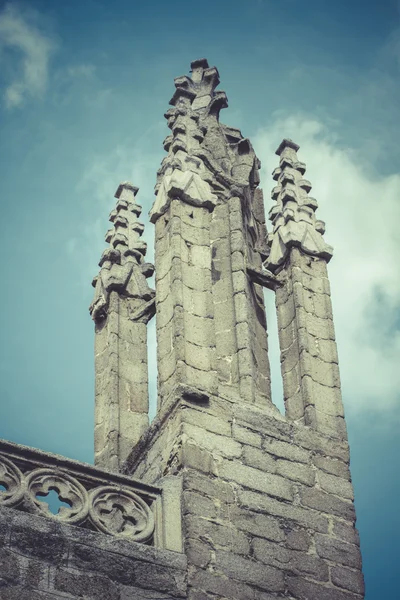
x=94, y=499
x=45, y=559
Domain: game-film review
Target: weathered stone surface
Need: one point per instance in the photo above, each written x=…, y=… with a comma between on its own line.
x=327, y=503
x=285, y=450
x=272, y=485
x=304, y=589
x=250, y=572
x=338, y=551
x=302, y=516
x=348, y=579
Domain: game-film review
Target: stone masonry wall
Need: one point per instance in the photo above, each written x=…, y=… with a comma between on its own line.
x=267, y=504
x=309, y=359
x=44, y=560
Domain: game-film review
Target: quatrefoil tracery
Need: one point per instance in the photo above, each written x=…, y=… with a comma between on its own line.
x=112, y=510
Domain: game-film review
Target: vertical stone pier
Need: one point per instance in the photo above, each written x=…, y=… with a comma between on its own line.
x=299, y=256
x=121, y=309
x=210, y=243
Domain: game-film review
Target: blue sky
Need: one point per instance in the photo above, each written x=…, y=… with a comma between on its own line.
x=83, y=89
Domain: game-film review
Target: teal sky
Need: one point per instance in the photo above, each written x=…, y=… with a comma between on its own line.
x=83, y=88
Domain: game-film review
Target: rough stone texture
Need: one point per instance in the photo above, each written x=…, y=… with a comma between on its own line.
x=210, y=244
x=250, y=528
x=121, y=309
x=43, y=559
x=298, y=257
x=254, y=505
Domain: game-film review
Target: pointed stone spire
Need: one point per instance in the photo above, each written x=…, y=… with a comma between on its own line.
x=121, y=308
x=210, y=245
x=122, y=264
x=293, y=216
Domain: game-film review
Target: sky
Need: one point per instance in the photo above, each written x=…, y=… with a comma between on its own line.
x=84, y=85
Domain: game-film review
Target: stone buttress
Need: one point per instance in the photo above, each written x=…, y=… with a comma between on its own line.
x=122, y=306
x=267, y=502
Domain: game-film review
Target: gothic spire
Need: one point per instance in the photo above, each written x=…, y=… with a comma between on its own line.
x=293, y=216
x=122, y=264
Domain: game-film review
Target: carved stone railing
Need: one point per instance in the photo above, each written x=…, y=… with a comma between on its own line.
x=95, y=499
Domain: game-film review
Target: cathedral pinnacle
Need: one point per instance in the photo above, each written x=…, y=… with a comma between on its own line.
x=122, y=264
x=293, y=215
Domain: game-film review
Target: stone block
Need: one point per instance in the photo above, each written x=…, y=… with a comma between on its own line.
x=218, y=535
x=315, y=441
x=348, y=579
x=199, y=331
x=302, y=516
x=196, y=278
x=327, y=503
x=225, y=342
x=196, y=504
x=298, y=539
x=256, y=419
x=273, y=485
x=198, y=356
x=194, y=457
x=295, y=471
x=207, y=421
x=309, y=565
x=258, y=524
x=258, y=459
x=286, y=450
x=28, y=541
x=198, y=553
x=246, y=436
x=337, y=551
x=271, y=553
x=80, y=584
x=346, y=532
x=327, y=400
x=335, y=485
x=332, y=466
x=220, y=584
x=248, y=571
x=197, y=236
x=237, y=241
x=200, y=256
x=321, y=372
x=10, y=567
x=214, y=443
x=213, y=488
x=290, y=358
x=239, y=281
x=304, y=589
x=237, y=261
x=286, y=313
x=241, y=307
x=224, y=314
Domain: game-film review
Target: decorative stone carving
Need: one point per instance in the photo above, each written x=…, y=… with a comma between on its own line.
x=13, y=480
x=121, y=512
x=42, y=481
x=122, y=264
x=110, y=504
x=293, y=215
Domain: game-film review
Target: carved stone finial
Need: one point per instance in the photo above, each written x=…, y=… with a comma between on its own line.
x=205, y=158
x=122, y=264
x=293, y=215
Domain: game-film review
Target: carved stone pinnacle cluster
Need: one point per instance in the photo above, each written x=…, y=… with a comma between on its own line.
x=293, y=215
x=122, y=264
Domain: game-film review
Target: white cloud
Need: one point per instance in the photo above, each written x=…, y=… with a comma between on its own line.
x=29, y=75
x=362, y=213
x=83, y=70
